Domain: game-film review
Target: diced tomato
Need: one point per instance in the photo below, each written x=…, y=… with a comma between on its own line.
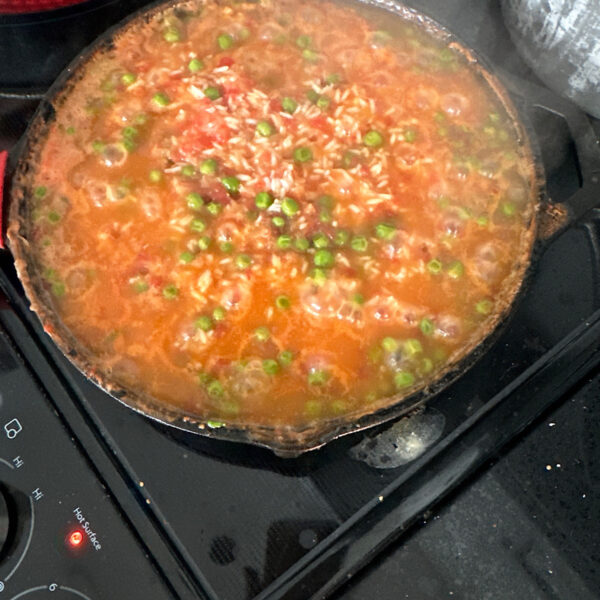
x=226, y=61
x=156, y=281
x=200, y=132
x=321, y=123
x=275, y=105
x=349, y=272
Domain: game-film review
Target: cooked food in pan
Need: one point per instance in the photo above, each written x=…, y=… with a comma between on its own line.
x=280, y=211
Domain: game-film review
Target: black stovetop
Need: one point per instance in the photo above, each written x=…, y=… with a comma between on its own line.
x=493, y=493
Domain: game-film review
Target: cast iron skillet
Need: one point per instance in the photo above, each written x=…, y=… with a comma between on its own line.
x=285, y=441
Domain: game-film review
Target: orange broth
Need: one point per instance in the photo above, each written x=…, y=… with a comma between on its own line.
x=275, y=212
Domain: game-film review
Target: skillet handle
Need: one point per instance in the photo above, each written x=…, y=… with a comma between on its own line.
x=557, y=216
x=3, y=160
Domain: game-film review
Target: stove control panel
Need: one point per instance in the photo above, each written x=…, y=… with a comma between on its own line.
x=61, y=534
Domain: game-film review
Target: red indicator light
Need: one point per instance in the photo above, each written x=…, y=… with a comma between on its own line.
x=75, y=539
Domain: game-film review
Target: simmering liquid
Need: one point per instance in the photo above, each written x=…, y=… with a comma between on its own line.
x=276, y=212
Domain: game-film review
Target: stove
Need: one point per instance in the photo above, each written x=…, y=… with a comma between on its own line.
x=99, y=502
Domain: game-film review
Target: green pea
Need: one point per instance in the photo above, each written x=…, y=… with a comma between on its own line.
x=332, y=79
x=194, y=201
x=508, y=209
x=197, y=225
x=303, y=41
x=326, y=201
x=270, y=366
x=225, y=41
x=172, y=35
x=389, y=344
x=204, y=322
x=426, y=326
x=410, y=135
x=195, y=65
x=285, y=358
x=188, y=171
x=341, y=238
x=310, y=55
x=413, y=347
x=324, y=259
x=303, y=154
x=209, y=166
x=434, y=266
x=140, y=285
x=358, y=299
x=262, y=334
x=263, y=200
x=289, y=206
x=243, y=261
x=318, y=377
x=289, y=105
x=373, y=139
x=278, y=221
x=204, y=378
x=219, y=313
x=265, y=129
x=215, y=389
x=484, y=307
x=359, y=243
x=456, y=269
x=155, y=176
x=58, y=289
x=54, y=217
x=129, y=144
x=325, y=216
x=186, y=257
x=426, y=365
x=320, y=240
x=128, y=79
x=161, y=99
x=212, y=92
x=323, y=102
x=302, y=244
x=226, y=247
x=312, y=95
x=403, y=379
x=384, y=231
x=283, y=302
x=204, y=243
x=231, y=184
x=284, y=241
x=349, y=159
x=213, y=208
x=319, y=276
x=97, y=146
x=170, y=292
